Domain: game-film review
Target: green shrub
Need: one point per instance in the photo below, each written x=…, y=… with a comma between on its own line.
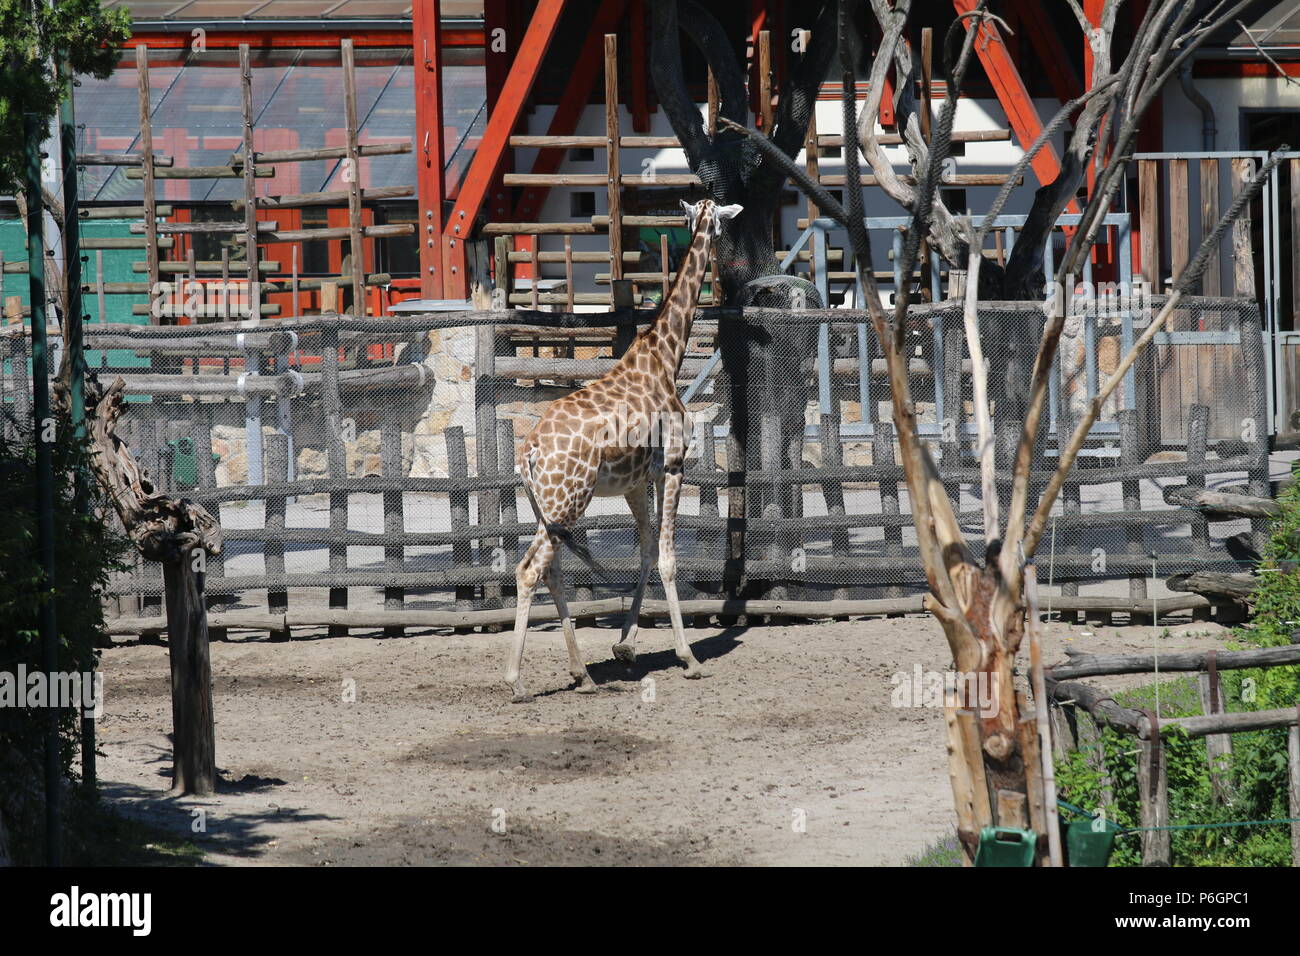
x=1257, y=772
x=87, y=551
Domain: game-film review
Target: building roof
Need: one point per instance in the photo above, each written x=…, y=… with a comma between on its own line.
x=1277, y=27
x=261, y=11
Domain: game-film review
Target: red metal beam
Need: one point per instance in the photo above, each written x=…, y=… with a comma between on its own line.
x=1011, y=92
x=1051, y=51
x=430, y=161
x=496, y=139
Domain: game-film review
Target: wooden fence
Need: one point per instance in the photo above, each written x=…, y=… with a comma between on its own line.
x=841, y=532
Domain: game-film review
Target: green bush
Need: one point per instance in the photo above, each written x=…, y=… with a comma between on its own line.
x=87, y=551
x=1257, y=771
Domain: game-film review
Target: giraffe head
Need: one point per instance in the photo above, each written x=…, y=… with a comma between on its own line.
x=711, y=214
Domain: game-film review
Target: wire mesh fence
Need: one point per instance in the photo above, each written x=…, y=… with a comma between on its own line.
x=363, y=470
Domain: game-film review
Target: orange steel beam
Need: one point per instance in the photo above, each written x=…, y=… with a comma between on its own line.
x=430, y=157
x=495, y=142
x=1011, y=92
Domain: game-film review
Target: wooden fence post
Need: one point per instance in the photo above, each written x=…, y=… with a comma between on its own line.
x=393, y=468
x=277, y=471
x=1153, y=793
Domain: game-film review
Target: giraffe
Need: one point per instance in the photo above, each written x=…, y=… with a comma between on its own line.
x=617, y=436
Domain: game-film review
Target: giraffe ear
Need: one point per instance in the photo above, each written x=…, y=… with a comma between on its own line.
x=729, y=212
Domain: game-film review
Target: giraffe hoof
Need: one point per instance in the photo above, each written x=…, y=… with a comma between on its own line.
x=517, y=693
x=625, y=653
x=586, y=686
x=697, y=671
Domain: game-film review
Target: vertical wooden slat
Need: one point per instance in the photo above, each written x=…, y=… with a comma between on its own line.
x=1185, y=382
x=391, y=464
x=1218, y=747
x=765, y=79
x=337, y=459
x=535, y=281
x=667, y=266
x=568, y=273
x=250, y=187
x=509, y=502
x=353, y=176
x=711, y=110
x=612, y=163
x=1130, y=455
x=1243, y=260
x=147, y=172
x=277, y=470
x=1149, y=220
x=458, y=467
x=882, y=456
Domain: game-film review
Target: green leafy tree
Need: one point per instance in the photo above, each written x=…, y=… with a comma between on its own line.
x=32, y=34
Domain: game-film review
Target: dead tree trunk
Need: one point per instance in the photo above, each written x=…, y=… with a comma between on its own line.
x=980, y=601
x=180, y=535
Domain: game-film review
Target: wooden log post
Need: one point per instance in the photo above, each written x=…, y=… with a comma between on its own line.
x=882, y=456
x=613, y=166
x=391, y=465
x=249, y=172
x=206, y=473
x=1130, y=455
x=179, y=534
x=833, y=491
x=461, y=553
x=277, y=471
x=509, y=504
x=1293, y=783
x=147, y=169
x=352, y=176
x=336, y=455
x=1153, y=794
x=487, y=345
x=1218, y=747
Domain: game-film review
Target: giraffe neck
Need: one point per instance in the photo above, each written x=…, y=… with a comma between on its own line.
x=671, y=329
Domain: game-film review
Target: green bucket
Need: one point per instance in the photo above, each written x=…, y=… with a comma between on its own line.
x=1090, y=842
x=1006, y=846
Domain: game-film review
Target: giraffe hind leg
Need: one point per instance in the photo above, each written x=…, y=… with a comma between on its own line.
x=534, y=564
x=625, y=649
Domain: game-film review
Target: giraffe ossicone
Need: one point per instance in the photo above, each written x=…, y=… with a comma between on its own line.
x=622, y=434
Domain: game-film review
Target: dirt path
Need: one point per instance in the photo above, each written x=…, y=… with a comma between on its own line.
x=796, y=724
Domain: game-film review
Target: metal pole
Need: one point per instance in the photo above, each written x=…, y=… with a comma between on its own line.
x=43, y=430
x=76, y=364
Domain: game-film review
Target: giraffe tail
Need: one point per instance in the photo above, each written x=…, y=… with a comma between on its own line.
x=554, y=528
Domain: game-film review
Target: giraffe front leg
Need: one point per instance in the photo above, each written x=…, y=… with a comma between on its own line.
x=672, y=484
x=576, y=666
x=625, y=649
x=529, y=572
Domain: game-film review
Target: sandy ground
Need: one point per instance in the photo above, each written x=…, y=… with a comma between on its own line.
x=431, y=761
